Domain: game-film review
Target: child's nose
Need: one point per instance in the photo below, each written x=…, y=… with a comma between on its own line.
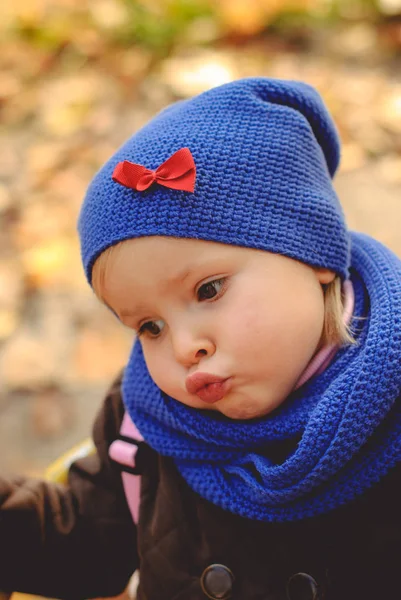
x=190, y=349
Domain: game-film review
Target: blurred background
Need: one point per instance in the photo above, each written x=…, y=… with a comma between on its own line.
x=78, y=77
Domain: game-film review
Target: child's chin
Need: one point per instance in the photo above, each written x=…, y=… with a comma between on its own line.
x=243, y=411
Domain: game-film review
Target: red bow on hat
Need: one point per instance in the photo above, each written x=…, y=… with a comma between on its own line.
x=178, y=173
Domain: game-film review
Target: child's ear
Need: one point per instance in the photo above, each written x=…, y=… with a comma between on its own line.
x=324, y=275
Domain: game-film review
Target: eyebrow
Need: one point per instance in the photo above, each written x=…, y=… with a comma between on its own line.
x=179, y=278
x=129, y=313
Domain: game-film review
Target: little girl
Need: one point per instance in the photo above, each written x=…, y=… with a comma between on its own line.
x=262, y=394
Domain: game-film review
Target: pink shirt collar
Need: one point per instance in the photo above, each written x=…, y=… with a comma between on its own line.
x=325, y=355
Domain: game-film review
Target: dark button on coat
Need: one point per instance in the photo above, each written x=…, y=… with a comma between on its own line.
x=302, y=586
x=217, y=582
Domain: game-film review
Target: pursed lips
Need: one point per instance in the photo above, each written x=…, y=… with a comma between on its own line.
x=209, y=388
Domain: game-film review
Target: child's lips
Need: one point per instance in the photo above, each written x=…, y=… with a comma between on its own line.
x=209, y=388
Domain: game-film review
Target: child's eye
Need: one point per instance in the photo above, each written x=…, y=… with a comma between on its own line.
x=152, y=328
x=210, y=289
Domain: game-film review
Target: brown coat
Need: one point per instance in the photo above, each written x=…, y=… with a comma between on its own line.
x=79, y=541
x=70, y=542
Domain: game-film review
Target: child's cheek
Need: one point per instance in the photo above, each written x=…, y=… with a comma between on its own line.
x=246, y=329
x=155, y=361
x=161, y=367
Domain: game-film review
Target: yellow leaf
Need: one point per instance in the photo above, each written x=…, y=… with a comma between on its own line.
x=50, y=262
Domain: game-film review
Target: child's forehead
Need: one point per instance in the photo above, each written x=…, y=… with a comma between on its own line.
x=183, y=250
x=170, y=260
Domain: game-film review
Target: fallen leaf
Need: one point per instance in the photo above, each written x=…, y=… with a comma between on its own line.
x=51, y=413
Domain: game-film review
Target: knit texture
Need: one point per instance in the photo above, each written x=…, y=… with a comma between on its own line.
x=347, y=418
x=265, y=151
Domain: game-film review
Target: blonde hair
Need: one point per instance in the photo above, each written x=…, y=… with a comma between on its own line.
x=335, y=331
x=99, y=270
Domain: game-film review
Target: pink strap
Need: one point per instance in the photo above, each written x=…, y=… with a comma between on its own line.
x=124, y=453
x=129, y=429
x=132, y=489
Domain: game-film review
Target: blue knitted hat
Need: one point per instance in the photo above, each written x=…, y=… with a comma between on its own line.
x=265, y=151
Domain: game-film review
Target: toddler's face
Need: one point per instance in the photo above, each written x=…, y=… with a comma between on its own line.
x=252, y=318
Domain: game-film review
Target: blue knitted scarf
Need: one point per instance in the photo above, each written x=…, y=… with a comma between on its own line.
x=345, y=424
